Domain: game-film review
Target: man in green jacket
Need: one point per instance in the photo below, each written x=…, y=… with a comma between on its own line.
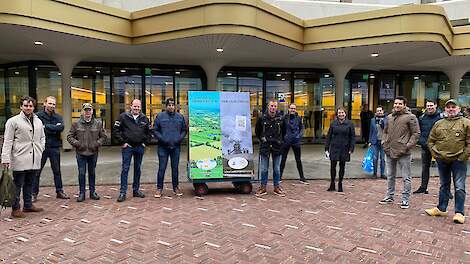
x=449, y=143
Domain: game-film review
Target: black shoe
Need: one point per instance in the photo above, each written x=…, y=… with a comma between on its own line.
x=94, y=196
x=421, y=190
x=138, y=194
x=121, y=198
x=34, y=197
x=383, y=176
x=331, y=189
x=81, y=197
x=340, y=187
x=62, y=195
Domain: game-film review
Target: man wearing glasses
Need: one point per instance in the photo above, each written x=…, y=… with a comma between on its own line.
x=293, y=135
x=23, y=145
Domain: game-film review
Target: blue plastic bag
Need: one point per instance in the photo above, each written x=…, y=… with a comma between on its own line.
x=368, y=162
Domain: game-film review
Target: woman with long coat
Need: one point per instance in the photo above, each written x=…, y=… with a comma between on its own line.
x=339, y=146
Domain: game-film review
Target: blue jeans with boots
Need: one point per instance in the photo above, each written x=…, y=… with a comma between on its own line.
x=84, y=162
x=163, y=154
x=127, y=154
x=263, y=167
x=457, y=171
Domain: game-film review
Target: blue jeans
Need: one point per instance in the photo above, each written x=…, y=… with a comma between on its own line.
x=263, y=167
x=379, y=155
x=54, y=157
x=456, y=170
x=84, y=162
x=23, y=181
x=127, y=154
x=163, y=154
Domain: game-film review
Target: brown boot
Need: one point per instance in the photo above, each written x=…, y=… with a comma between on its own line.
x=33, y=209
x=279, y=191
x=261, y=191
x=17, y=214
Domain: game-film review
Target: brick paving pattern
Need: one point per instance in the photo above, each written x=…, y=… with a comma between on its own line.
x=309, y=225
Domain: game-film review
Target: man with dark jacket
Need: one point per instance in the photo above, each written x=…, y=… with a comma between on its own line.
x=366, y=115
x=377, y=126
x=400, y=135
x=426, y=122
x=53, y=127
x=449, y=143
x=87, y=135
x=132, y=131
x=269, y=131
x=170, y=130
x=292, y=137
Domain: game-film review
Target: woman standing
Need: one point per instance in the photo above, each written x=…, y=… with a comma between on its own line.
x=339, y=146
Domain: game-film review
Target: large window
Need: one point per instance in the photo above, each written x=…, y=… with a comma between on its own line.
x=3, y=114
x=307, y=97
x=464, y=91
x=358, y=84
x=158, y=87
x=186, y=80
x=226, y=81
x=49, y=83
x=419, y=87
x=327, y=89
x=387, y=91
x=93, y=85
x=252, y=82
x=18, y=85
x=278, y=87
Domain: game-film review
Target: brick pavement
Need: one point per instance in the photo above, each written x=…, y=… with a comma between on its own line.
x=309, y=225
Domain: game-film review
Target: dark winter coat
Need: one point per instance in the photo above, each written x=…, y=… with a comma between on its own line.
x=340, y=140
x=294, y=129
x=53, y=127
x=169, y=129
x=270, y=131
x=374, y=123
x=87, y=137
x=134, y=132
x=426, y=122
x=400, y=134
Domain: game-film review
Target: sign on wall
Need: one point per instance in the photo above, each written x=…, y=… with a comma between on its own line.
x=220, y=144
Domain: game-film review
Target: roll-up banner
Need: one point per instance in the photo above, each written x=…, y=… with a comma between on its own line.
x=220, y=143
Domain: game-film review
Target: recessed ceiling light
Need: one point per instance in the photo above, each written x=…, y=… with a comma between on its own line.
x=326, y=76
x=283, y=79
x=375, y=54
x=229, y=74
x=177, y=72
x=123, y=71
x=220, y=50
x=38, y=43
x=60, y=74
x=372, y=76
x=17, y=72
x=278, y=75
x=85, y=76
x=98, y=71
x=416, y=77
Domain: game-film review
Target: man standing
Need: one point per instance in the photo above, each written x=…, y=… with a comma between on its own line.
x=426, y=122
x=365, y=115
x=269, y=131
x=449, y=143
x=133, y=133
x=400, y=135
x=170, y=130
x=24, y=142
x=377, y=126
x=294, y=133
x=53, y=127
x=87, y=135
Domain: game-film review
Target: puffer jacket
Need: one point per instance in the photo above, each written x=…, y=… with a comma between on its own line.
x=450, y=139
x=269, y=131
x=87, y=137
x=426, y=121
x=23, y=143
x=400, y=134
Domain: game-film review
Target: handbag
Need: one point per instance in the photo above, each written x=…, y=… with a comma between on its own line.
x=7, y=189
x=368, y=162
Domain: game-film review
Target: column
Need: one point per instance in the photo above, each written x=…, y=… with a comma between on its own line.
x=455, y=74
x=212, y=68
x=340, y=71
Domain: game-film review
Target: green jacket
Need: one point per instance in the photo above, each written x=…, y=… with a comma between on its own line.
x=450, y=139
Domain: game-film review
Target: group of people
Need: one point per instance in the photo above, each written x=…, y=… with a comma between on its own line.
x=30, y=139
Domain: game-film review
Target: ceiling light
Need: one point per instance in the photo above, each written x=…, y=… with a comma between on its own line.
x=375, y=54
x=326, y=76
x=177, y=72
x=416, y=77
x=17, y=72
x=372, y=76
x=220, y=50
x=123, y=71
x=229, y=74
x=283, y=79
x=60, y=74
x=38, y=43
x=98, y=71
x=85, y=76
x=278, y=75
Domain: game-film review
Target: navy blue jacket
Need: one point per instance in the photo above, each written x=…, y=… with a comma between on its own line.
x=426, y=122
x=53, y=126
x=373, y=130
x=169, y=129
x=294, y=129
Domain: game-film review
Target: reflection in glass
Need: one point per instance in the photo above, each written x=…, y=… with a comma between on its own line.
x=158, y=87
x=18, y=85
x=226, y=81
x=186, y=80
x=252, y=82
x=278, y=87
x=464, y=91
x=3, y=113
x=49, y=82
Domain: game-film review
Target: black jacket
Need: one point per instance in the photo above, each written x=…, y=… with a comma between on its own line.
x=426, y=122
x=53, y=127
x=132, y=131
x=340, y=140
x=270, y=131
x=294, y=129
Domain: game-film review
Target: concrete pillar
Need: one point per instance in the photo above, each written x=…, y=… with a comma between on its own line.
x=66, y=66
x=455, y=74
x=212, y=68
x=340, y=71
